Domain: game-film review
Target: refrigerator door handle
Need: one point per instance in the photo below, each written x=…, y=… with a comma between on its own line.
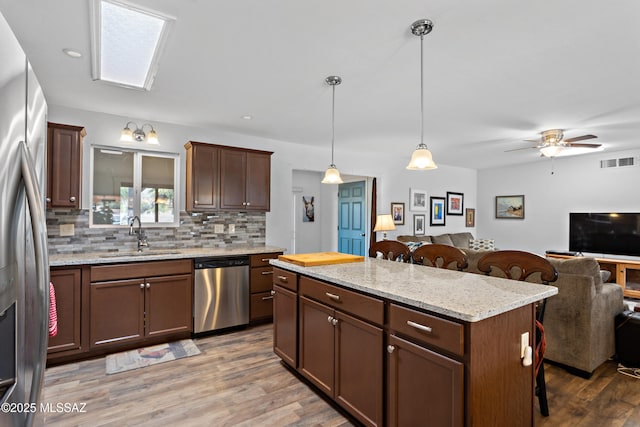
x=38, y=225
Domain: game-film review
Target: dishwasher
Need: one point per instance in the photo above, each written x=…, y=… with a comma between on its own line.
x=221, y=293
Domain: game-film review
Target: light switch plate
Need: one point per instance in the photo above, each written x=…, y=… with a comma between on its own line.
x=218, y=228
x=524, y=343
x=67, y=230
x=232, y=228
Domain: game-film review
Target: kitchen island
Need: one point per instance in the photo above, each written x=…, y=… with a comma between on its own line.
x=403, y=344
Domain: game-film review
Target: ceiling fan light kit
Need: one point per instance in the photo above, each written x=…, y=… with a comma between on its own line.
x=553, y=143
x=421, y=159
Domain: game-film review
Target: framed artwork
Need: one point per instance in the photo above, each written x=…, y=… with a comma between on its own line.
x=308, y=209
x=470, y=217
x=397, y=212
x=418, y=200
x=510, y=207
x=454, y=203
x=437, y=211
x=418, y=224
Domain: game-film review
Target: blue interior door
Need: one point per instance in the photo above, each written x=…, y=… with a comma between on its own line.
x=352, y=206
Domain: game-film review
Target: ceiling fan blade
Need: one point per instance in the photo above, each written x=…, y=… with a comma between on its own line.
x=518, y=149
x=583, y=145
x=580, y=138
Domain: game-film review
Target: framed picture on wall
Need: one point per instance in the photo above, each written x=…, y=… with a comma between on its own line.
x=397, y=212
x=454, y=203
x=470, y=217
x=510, y=207
x=418, y=224
x=418, y=200
x=437, y=211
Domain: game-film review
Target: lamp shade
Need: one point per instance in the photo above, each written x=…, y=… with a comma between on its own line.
x=126, y=135
x=332, y=176
x=551, y=150
x=384, y=223
x=152, y=137
x=421, y=159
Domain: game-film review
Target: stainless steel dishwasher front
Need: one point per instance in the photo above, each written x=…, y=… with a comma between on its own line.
x=221, y=293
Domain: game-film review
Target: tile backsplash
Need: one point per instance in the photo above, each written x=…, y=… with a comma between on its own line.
x=195, y=231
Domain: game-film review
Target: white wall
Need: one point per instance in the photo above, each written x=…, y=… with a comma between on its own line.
x=578, y=184
x=393, y=180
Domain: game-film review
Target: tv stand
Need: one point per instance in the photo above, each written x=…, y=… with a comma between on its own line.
x=624, y=272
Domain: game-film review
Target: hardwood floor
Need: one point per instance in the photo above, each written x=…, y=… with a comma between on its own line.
x=238, y=381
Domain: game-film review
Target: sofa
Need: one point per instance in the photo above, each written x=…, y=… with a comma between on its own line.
x=579, y=320
x=459, y=240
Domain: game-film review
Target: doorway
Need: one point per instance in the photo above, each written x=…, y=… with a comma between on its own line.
x=352, y=222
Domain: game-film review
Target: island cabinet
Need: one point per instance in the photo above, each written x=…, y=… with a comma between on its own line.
x=340, y=347
x=261, y=286
x=71, y=337
x=138, y=302
x=285, y=316
x=221, y=178
x=64, y=165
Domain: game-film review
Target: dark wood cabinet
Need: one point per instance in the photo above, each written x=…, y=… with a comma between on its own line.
x=340, y=353
x=285, y=325
x=67, y=284
x=261, y=287
x=423, y=385
x=64, y=165
x=135, y=302
x=227, y=178
x=203, y=178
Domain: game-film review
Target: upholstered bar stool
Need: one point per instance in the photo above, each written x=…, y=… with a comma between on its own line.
x=518, y=265
x=440, y=256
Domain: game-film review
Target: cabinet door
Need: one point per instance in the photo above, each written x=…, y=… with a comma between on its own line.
x=67, y=285
x=169, y=304
x=233, y=170
x=285, y=327
x=203, y=183
x=261, y=306
x=359, y=369
x=316, y=340
x=258, y=185
x=64, y=166
x=117, y=312
x=424, y=387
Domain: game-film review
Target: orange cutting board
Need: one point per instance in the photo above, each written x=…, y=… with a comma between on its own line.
x=320, y=258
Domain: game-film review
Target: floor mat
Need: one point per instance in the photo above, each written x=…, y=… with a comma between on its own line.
x=147, y=356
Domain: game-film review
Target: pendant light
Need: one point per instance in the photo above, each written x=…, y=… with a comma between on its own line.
x=421, y=158
x=332, y=175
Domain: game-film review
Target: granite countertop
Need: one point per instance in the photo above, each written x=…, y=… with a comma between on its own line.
x=156, y=254
x=465, y=296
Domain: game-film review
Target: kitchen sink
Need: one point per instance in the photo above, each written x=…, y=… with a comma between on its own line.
x=137, y=254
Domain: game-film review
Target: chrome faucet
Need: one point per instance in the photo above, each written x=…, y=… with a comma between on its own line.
x=142, y=238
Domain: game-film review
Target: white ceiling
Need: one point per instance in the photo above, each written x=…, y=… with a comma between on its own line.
x=496, y=71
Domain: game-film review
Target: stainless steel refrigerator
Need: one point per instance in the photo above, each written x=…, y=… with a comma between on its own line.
x=24, y=269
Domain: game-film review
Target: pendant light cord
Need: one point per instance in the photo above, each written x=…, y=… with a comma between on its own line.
x=421, y=92
x=333, y=120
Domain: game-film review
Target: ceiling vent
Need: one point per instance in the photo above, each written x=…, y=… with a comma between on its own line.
x=614, y=163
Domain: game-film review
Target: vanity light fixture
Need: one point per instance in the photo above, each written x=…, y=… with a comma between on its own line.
x=421, y=158
x=138, y=134
x=332, y=174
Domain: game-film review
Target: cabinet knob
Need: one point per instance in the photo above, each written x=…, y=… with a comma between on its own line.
x=329, y=319
x=334, y=321
x=248, y=203
x=72, y=199
x=391, y=349
x=273, y=292
x=195, y=202
x=148, y=285
x=141, y=285
x=48, y=199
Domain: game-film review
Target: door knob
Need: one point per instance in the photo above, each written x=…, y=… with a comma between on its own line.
x=362, y=234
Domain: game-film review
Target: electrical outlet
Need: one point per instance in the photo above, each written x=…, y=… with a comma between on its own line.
x=218, y=228
x=67, y=230
x=232, y=228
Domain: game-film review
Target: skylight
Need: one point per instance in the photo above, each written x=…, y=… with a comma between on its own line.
x=127, y=43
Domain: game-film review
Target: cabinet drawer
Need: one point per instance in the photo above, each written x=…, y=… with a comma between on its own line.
x=261, y=305
x=285, y=278
x=429, y=329
x=261, y=279
x=262, y=260
x=134, y=270
x=368, y=308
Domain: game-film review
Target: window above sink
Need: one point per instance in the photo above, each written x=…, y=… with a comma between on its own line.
x=128, y=182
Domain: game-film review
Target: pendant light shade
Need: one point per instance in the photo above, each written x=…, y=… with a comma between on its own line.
x=421, y=159
x=332, y=174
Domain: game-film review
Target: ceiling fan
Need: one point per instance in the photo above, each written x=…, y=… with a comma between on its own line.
x=552, y=142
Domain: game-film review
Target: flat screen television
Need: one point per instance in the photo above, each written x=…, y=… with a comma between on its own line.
x=605, y=233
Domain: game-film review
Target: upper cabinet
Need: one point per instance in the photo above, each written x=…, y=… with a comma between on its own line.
x=227, y=178
x=64, y=165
